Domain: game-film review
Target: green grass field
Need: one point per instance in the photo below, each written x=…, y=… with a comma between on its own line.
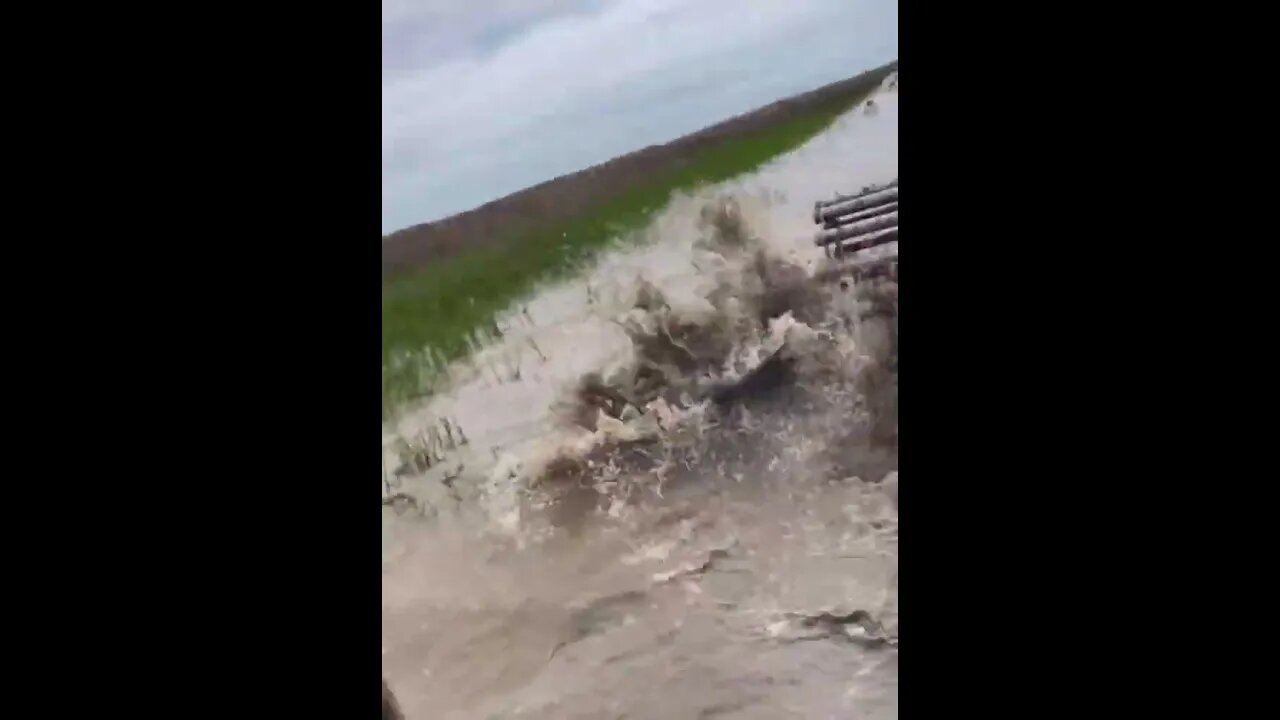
x=442, y=305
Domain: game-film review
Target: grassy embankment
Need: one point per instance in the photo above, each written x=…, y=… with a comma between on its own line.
x=441, y=305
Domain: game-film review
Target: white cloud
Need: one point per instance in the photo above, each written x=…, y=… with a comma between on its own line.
x=483, y=98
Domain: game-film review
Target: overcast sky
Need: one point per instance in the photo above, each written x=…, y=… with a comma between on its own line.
x=484, y=97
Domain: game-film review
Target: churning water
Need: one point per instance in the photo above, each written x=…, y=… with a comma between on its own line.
x=668, y=488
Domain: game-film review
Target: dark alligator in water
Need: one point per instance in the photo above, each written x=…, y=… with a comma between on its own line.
x=777, y=371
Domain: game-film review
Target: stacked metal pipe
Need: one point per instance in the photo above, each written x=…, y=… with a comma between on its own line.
x=857, y=222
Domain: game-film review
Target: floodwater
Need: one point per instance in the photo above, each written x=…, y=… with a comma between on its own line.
x=687, y=558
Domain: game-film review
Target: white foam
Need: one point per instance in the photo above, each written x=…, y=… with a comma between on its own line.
x=503, y=396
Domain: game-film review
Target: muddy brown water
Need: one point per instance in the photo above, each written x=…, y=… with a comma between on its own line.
x=693, y=609
x=744, y=566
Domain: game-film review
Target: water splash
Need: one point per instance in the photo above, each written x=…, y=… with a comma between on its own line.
x=671, y=465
